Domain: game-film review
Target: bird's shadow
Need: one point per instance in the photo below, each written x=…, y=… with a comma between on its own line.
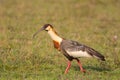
x=99, y=69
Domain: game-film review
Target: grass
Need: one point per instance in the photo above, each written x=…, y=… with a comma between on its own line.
x=94, y=23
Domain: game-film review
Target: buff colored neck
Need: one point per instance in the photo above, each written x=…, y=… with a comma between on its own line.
x=55, y=36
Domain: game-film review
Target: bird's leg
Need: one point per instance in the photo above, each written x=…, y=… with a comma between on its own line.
x=68, y=67
x=80, y=65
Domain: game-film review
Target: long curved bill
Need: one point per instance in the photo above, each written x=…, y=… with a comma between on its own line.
x=41, y=29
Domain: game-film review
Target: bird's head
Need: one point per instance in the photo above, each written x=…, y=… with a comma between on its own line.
x=46, y=27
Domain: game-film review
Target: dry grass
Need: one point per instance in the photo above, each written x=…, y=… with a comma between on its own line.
x=94, y=23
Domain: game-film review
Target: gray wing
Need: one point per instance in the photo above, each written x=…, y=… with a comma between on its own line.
x=76, y=50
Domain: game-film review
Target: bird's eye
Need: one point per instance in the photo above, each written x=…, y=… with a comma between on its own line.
x=46, y=30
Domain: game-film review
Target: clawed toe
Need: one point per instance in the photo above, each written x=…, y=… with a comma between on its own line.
x=83, y=71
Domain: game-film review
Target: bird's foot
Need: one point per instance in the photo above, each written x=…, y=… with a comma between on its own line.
x=84, y=71
x=65, y=72
x=68, y=67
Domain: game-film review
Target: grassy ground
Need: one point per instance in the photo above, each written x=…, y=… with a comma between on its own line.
x=95, y=23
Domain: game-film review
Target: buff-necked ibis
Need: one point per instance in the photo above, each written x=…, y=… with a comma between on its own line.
x=70, y=49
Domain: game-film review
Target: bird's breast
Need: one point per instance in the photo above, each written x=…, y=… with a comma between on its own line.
x=56, y=45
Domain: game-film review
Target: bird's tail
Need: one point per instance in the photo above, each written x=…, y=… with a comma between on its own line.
x=95, y=54
x=102, y=57
x=98, y=55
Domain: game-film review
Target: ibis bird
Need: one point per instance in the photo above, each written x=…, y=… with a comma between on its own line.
x=72, y=50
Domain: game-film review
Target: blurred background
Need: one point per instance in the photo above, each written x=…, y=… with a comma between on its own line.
x=95, y=23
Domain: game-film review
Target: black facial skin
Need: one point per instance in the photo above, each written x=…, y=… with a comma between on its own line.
x=46, y=25
x=43, y=28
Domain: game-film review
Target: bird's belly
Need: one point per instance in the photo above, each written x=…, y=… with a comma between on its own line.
x=77, y=54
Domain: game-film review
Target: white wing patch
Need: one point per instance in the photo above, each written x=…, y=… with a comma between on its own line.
x=78, y=54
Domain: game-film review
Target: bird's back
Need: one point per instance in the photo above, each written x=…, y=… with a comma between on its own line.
x=74, y=49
